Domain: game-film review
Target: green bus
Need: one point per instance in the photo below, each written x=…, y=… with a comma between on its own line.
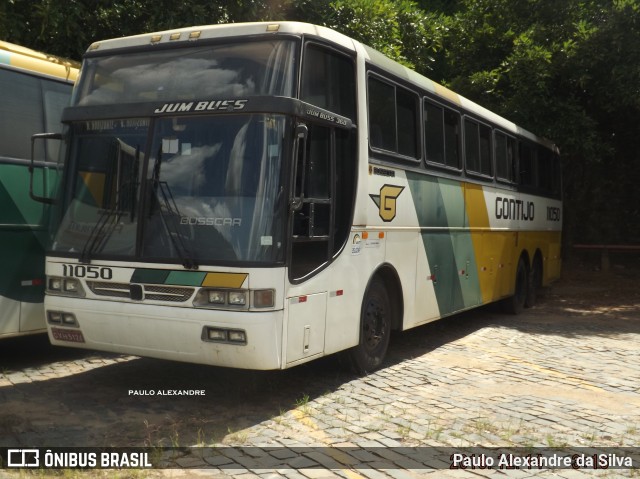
x=34, y=89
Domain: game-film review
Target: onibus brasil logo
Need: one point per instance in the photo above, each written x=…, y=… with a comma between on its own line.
x=386, y=201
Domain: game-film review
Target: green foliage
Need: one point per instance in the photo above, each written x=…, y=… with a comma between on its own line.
x=373, y=22
x=567, y=70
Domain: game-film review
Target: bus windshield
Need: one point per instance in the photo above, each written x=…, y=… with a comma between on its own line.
x=209, y=189
x=229, y=71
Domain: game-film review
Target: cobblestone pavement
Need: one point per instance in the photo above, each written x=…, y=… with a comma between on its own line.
x=563, y=374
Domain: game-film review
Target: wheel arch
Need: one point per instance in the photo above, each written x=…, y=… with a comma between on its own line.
x=389, y=276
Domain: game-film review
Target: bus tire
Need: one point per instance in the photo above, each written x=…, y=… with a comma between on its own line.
x=375, y=329
x=515, y=304
x=535, y=283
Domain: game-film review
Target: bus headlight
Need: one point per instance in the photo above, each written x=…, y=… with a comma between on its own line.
x=71, y=286
x=237, y=298
x=60, y=317
x=237, y=336
x=220, y=298
x=234, y=298
x=69, y=319
x=54, y=284
x=217, y=297
x=223, y=335
x=64, y=287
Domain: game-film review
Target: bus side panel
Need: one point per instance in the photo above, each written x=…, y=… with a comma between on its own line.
x=402, y=248
x=22, y=241
x=10, y=322
x=305, y=331
x=499, y=267
x=344, y=283
x=393, y=211
x=534, y=223
x=553, y=261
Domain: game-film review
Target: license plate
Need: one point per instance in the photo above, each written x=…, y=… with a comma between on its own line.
x=70, y=335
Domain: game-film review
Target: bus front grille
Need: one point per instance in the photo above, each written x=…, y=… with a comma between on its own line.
x=152, y=292
x=174, y=294
x=114, y=290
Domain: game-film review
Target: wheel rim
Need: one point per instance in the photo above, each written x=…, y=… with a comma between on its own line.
x=375, y=324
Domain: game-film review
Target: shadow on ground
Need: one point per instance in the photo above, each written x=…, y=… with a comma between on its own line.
x=120, y=404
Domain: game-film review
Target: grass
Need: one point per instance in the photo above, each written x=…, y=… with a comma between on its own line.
x=553, y=441
x=236, y=438
x=302, y=404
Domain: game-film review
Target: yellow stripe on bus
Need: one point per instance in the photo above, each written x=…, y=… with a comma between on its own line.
x=485, y=246
x=224, y=280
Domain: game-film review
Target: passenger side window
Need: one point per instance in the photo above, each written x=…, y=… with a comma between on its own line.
x=505, y=151
x=393, y=118
x=382, y=115
x=471, y=146
x=20, y=114
x=527, y=165
x=30, y=105
x=442, y=135
x=477, y=142
x=407, y=123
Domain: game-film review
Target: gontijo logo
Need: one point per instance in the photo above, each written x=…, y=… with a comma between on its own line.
x=386, y=201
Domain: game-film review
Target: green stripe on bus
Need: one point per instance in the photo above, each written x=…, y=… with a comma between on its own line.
x=185, y=278
x=149, y=276
x=440, y=255
x=163, y=276
x=440, y=207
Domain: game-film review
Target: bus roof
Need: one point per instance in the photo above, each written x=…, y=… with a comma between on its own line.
x=203, y=32
x=193, y=34
x=31, y=61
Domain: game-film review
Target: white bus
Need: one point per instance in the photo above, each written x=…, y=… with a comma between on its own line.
x=34, y=89
x=260, y=195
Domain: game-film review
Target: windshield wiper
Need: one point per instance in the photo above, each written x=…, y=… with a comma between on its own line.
x=97, y=239
x=165, y=200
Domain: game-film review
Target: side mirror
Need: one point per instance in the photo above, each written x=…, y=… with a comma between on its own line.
x=299, y=165
x=34, y=138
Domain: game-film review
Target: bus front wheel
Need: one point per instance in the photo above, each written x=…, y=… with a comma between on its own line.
x=375, y=329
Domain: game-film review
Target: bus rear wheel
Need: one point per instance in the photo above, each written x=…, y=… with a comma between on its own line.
x=535, y=283
x=375, y=329
x=515, y=304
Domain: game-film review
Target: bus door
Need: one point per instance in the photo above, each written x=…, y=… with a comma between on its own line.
x=323, y=187
x=312, y=236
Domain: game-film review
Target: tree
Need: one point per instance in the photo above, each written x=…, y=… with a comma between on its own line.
x=68, y=28
x=569, y=71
